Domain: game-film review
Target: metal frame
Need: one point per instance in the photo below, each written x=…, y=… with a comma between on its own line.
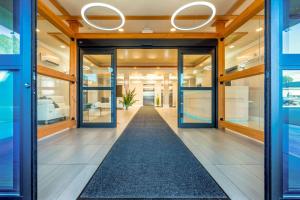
x=23, y=67
x=204, y=45
x=97, y=51
x=276, y=62
x=213, y=88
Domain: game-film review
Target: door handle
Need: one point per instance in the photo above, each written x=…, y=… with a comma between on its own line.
x=27, y=85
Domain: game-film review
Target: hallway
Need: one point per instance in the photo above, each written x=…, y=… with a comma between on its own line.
x=236, y=163
x=150, y=161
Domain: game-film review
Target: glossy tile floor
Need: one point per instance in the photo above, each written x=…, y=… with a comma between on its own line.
x=67, y=161
x=235, y=162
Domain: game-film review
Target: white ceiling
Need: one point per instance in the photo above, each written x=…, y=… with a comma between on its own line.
x=147, y=8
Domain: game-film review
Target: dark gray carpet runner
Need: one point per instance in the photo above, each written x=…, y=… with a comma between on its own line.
x=149, y=161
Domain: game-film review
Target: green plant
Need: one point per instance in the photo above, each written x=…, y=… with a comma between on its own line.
x=157, y=101
x=128, y=99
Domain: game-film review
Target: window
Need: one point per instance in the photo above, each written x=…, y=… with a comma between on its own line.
x=245, y=47
x=9, y=27
x=53, y=47
x=53, y=104
x=244, y=102
x=197, y=71
x=97, y=70
x=291, y=27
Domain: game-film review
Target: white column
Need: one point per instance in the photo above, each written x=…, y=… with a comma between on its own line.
x=166, y=91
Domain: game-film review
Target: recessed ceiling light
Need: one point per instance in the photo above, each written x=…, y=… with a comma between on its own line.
x=173, y=29
x=197, y=3
x=121, y=30
x=259, y=29
x=37, y=30
x=62, y=46
x=231, y=46
x=104, y=5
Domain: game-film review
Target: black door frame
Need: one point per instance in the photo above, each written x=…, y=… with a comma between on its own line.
x=112, y=88
x=180, y=44
x=213, y=88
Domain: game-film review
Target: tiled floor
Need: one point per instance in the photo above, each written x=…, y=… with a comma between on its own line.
x=235, y=162
x=67, y=161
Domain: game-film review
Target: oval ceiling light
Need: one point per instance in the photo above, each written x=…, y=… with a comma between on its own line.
x=197, y=3
x=85, y=8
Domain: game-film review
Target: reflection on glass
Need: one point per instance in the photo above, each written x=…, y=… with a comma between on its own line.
x=9, y=178
x=53, y=102
x=97, y=70
x=291, y=129
x=245, y=47
x=196, y=71
x=197, y=106
x=244, y=102
x=9, y=27
x=53, y=47
x=97, y=106
x=291, y=27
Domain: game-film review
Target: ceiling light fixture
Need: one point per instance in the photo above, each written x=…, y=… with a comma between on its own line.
x=173, y=29
x=121, y=30
x=259, y=29
x=231, y=46
x=62, y=46
x=197, y=3
x=92, y=5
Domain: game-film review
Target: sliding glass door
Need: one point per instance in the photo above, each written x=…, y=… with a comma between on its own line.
x=196, y=88
x=283, y=110
x=98, y=88
x=17, y=102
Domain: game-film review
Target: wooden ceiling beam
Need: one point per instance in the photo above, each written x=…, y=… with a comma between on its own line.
x=59, y=7
x=143, y=67
x=148, y=17
x=202, y=35
x=247, y=14
x=49, y=15
x=58, y=37
x=63, y=11
x=235, y=6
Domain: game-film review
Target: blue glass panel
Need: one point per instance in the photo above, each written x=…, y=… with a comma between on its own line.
x=9, y=27
x=9, y=144
x=291, y=130
x=291, y=27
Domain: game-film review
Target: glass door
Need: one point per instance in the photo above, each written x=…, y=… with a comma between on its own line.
x=98, y=88
x=196, y=88
x=17, y=102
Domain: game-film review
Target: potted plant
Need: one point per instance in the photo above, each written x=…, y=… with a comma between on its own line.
x=128, y=99
x=157, y=101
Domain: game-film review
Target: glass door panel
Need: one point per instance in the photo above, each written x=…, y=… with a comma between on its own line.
x=197, y=106
x=196, y=88
x=9, y=135
x=97, y=106
x=97, y=88
x=291, y=130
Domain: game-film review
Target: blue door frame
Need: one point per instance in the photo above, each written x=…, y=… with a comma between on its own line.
x=278, y=116
x=22, y=67
x=181, y=89
x=112, y=88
